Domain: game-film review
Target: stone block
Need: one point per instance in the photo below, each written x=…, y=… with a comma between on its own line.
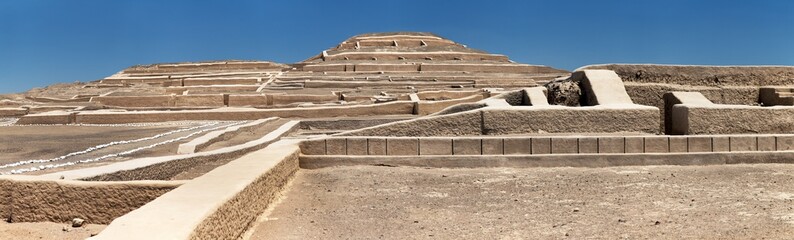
x=720, y=144
x=634, y=144
x=402, y=146
x=657, y=144
x=376, y=146
x=435, y=146
x=564, y=145
x=492, y=146
x=466, y=146
x=744, y=143
x=588, y=145
x=517, y=146
x=541, y=145
x=357, y=146
x=678, y=144
x=699, y=144
x=336, y=146
x=602, y=87
x=766, y=143
x=785, y=143
x=611, y=145
x=313, y=147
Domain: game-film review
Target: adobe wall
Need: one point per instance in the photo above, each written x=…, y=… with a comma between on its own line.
x=416, y=56
x=210, y=100
x=730, y=119
x=28, y=199
x=220, y=206
x=459, y=124
x=135, y=101
x=297, y=98
x=48, y=118
x=443, y=95
x=521, y=119
x=501, y=68
x=525, y=120
x=429, y=107
x=213, y=100
x=702, y=75
x=106, y=117
x=236, y=100
x=547, y=151
x=545, y=145
x=355, y=84
x=218, y=81
x=364, y=67
x=13, y=112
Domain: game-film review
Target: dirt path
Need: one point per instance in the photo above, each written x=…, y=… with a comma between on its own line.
x=47, y=230
x=668, y=202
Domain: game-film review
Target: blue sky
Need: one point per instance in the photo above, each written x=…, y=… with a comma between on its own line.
x=45, y=42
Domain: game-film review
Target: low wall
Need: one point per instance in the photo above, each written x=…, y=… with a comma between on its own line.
x=525, y=120
x=557, y=119
x=729, y=119
x=234, y=114
x=48, y=118
x=218, y=81
x=429, y=107
x=221, y=204
x=29, y=199
x=527, y=161
x=547, y=151
x=455, y=124
x=702, y=75
x=13, y=112
x=446, y=95
x=448, y=56
x=212, y=100
x=534, y=145
x=355, y=84
x=297, y=98
x=500, y=68
x=135, y=101
x=247, y=100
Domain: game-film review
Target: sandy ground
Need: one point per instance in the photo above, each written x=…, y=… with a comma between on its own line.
x=35, y=142
x=19, y=143
x=247, y=136
x=667, y=202
x=241, y=138
x=47, y=230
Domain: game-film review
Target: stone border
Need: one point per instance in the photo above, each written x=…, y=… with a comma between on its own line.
x=163, y=168
x=32, y=199
x=221, y=204
x=553, y=160
x=546, y=145
x=198, y=144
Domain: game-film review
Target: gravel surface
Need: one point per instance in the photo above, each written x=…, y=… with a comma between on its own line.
x=669, y=202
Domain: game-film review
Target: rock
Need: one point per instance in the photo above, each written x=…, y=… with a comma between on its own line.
x=576, y=210
x=66, y=229
x=77, y=222
x=566, y=92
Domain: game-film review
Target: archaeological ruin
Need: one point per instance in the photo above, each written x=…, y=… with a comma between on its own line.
x=403, y=135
